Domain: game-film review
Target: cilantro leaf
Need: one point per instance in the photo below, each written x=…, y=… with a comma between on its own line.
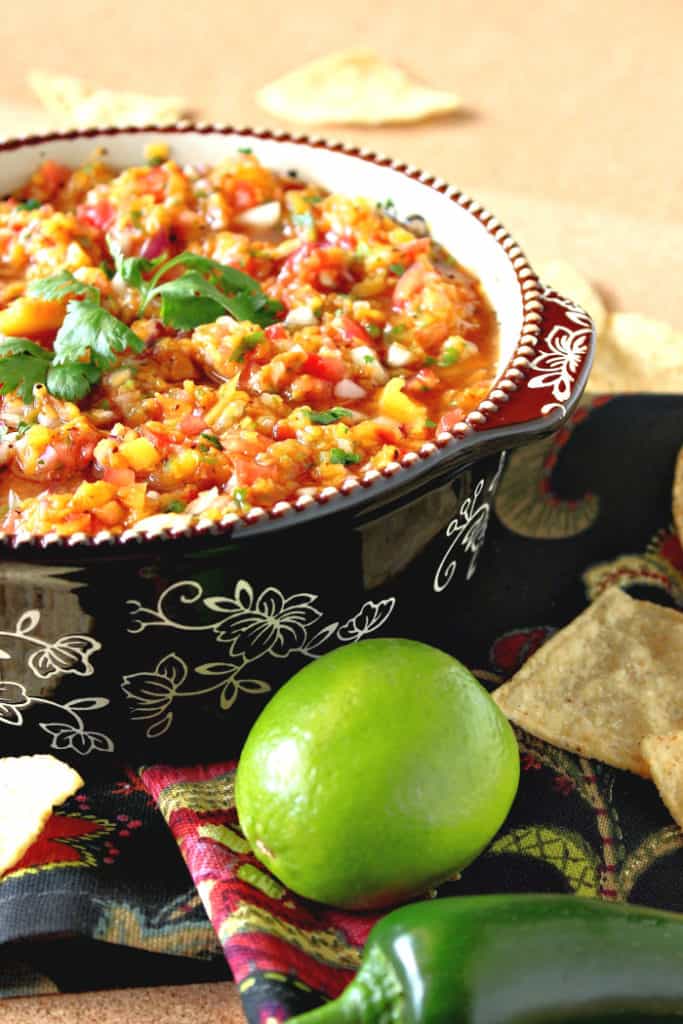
x=130, y=268
x=59, y=286
x=329, y=415
x=30, y=204
x=206, y=291
x=188, y=301
x=72, y=381
x=87, y=328
x=23, y=364
x=341, y=458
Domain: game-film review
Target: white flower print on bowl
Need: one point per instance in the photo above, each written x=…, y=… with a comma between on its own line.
x=251, y=626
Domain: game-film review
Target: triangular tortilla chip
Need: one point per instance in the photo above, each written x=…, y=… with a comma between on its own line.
x=677, y=499
x=568, y=281
x=604, y=682
x=636, y=354
x=29, y=788
x=75, y=104
x=664, y=755
x=352, y=87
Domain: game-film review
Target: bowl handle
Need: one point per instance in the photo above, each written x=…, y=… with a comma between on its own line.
x=544, y=383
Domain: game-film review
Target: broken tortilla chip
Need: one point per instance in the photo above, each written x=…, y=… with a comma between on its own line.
x=677, y=498
x=75, y=104
x=636, y=354
x=604, y=682
x=664, y=756
x=568, y=281
x=29, y=788
x=352, y=87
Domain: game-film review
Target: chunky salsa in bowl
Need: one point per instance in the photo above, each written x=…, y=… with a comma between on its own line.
x=183, y=340
x=257, y=394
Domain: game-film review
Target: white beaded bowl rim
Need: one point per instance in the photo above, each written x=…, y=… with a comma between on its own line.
x=510, y=378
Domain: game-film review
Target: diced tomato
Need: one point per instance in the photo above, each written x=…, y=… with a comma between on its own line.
x=352, y=331
x=284, y=431
x=245, y=445
x=193, y=424
x=410, y=282
x=327, y=367
x=424, y=380
x=52, y=176
x=100, y=214
x=416, y=248
x=119, y=476
x=156, y=433
x=154, y=182
x=449, y=419
x=243, y=196
x=276, y=332
x=388, y=432
x=248, y=471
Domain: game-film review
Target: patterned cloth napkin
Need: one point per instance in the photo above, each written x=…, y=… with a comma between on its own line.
x=587, y=509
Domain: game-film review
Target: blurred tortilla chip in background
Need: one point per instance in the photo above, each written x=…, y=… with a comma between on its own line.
x=29, y=788
x=604, y=682
x=664, y=755
x=353, y=87
x=72, y=103
x=636, y=353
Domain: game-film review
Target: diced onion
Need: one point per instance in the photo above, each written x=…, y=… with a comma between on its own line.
x=266, y=215
x=348, y=389
x=301, y=316
x=202, y=502
x=163, y=521
x=398, y=355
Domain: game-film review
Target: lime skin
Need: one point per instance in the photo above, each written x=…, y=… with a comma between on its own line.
x=375, y=772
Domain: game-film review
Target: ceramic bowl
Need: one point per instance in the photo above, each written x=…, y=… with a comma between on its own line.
x=166, y=645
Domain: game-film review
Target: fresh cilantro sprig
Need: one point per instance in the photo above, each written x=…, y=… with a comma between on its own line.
x=57, y=287
x=23, y=364
x=206, y=290
x=90, y=338
x=86, y=344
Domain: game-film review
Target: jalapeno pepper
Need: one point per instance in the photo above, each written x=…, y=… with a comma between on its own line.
x=517, y=959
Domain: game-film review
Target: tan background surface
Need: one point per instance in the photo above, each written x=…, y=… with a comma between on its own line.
x=573, y=135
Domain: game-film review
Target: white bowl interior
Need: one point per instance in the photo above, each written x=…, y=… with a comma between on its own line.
x=450, y=224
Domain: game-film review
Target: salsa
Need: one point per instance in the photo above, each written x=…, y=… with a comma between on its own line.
x=185, y=341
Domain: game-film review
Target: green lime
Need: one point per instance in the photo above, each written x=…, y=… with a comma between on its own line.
x=379, y=770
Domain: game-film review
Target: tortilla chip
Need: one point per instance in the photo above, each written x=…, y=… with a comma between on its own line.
x=568, y=281
x=75, y=104
x=352, y=87
x=29, y=788
x=604, y=682
x=664, y=756
x=636, y=354
x=677, y=500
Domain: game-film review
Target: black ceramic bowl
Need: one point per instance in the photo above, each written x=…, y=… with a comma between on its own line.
x=167, y=643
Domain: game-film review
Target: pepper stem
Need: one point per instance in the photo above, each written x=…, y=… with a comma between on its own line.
x=375, y=996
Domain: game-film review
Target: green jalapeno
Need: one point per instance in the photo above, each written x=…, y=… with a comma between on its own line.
x=519, y=959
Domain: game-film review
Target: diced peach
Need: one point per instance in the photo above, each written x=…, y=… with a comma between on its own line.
x=26, y=316
x=140, y=454
x=89, y=496
x=393, y=403
x=111, y=514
